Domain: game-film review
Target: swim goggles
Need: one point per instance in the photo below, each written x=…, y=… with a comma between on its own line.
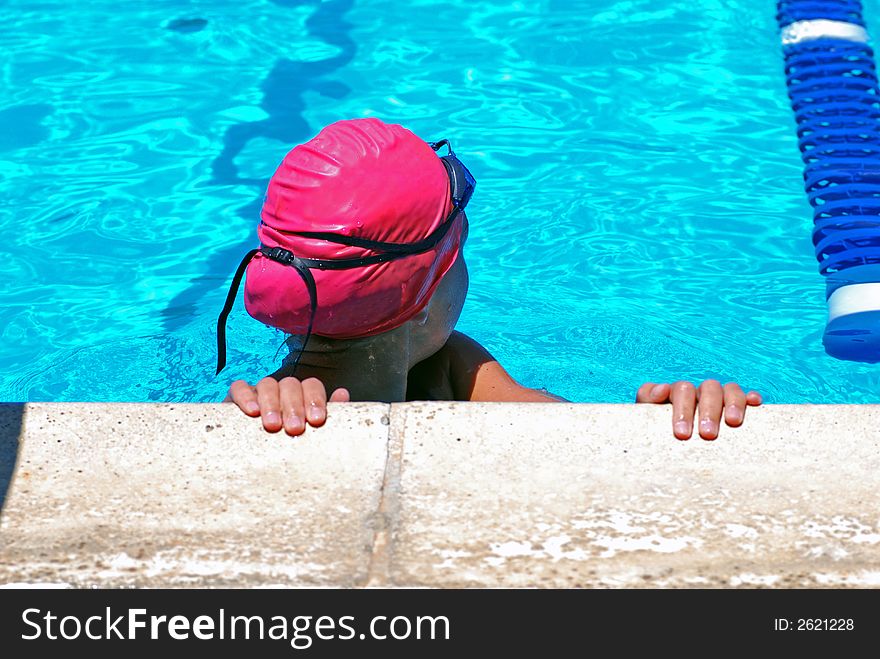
x=462, y=185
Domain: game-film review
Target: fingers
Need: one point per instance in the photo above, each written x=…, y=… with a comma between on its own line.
x=288, y=403
x=714, y=401
x=245, y=396
x=292, y=410
x=711, y=397
x=653, y=393
x=315, y=398
x=643, y=395
x=684, y=403
x=734, y=404
x=269, y=398
x=340, y=396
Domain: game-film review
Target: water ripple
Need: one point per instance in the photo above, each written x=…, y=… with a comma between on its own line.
x=639, y=213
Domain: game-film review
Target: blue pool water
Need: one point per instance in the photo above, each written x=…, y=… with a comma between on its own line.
x=639, y=213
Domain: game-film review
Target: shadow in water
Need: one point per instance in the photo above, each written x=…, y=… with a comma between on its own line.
x=11, y=417
x=284, y=104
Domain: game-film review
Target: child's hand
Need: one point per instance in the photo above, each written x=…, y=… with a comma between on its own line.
x=713, y=399
x=287, y=403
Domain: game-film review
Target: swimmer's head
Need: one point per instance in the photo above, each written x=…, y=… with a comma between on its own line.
x=359, y=227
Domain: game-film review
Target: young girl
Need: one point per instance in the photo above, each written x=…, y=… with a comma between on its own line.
x=361, y=261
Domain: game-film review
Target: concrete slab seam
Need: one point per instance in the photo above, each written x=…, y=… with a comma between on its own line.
x=387, y=515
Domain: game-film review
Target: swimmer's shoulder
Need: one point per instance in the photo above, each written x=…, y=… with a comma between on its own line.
x=464, y=370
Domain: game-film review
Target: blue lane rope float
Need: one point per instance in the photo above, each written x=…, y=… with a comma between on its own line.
x=832, y=84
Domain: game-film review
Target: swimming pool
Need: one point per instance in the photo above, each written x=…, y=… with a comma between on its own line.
x=639, y=213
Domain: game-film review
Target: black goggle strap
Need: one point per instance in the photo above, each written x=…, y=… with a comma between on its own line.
x=284, y=257
x=309, y=280
x=398, y=249
x=227, y=307
x=439, y=144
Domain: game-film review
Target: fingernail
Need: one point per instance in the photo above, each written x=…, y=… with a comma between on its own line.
x=272, y=417
x=253, y=407
x=294, y=422
x=734, y=414
x=707, y=428
x=314, y=413
x=681, y=428
x=655, y=390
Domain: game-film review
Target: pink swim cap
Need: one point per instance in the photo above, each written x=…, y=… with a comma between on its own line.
x=358, y=178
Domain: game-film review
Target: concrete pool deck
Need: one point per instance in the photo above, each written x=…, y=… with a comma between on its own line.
x=437, y=495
